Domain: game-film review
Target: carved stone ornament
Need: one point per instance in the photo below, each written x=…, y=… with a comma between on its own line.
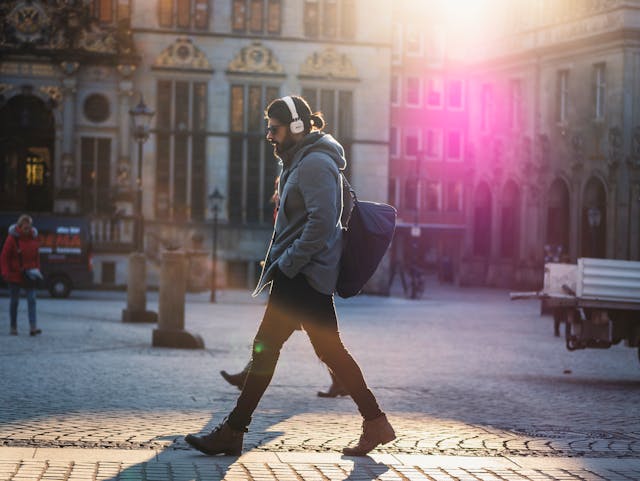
x=28, y=21
x=53, y=92
x=183, y=54
x=257, y=59
x=329, y=64
x=60, y=25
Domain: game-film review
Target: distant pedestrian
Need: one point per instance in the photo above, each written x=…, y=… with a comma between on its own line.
x=20, y=265
x=302, y=265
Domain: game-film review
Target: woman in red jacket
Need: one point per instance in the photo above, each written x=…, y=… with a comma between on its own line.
x=21, y=253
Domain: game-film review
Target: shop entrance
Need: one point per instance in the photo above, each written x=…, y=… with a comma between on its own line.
x=26, y=155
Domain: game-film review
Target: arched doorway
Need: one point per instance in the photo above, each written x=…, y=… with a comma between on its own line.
x=482, y=221
x=594, y=220
x=558, y=220
x=27, y=135
x=510, y=221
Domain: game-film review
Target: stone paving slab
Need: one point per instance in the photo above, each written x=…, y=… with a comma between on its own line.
x=99, y=464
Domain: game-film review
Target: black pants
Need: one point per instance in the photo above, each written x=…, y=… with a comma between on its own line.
x=293, y=303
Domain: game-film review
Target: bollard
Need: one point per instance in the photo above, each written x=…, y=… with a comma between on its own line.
x=136, y=310
x=173, y=284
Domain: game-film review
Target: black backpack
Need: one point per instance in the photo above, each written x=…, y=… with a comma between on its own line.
x=366, y=237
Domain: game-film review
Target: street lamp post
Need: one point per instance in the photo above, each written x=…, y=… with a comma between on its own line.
x=415, y=274
x=141, y=116
x=136, y=310
x=594, y=218
x=215, y=199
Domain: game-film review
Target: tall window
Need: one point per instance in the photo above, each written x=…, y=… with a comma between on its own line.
x=413, y=92
x=454, y=146
x=184, y=13
x=434, y=143
x=435, y=46
x=111, y=11
x=433, y=196
x=181, y=150
x=486, y=118
x=337, y=107
x=329, y=18
x=252, y=165
x=411, y=141
x=599, y=90
x=95, y=172
x=414, y=40
x=515, y=104
x=562, y=96
x=455, y=95
x=257, y=16
x=435, y=92
x=454, y=196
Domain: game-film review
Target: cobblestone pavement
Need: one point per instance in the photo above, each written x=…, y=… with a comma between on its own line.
x=462, y=374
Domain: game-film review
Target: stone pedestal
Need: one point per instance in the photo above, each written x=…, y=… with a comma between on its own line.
x=136, y=310
x=173, y=285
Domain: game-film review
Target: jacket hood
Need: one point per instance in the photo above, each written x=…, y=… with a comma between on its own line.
x=319, y=142
x=13, y=230
x=327, y=144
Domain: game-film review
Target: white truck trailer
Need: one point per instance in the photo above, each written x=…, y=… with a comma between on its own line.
x=597, y=299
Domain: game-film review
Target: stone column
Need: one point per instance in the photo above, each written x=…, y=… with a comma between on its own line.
x=136, y=310
x=173, y=286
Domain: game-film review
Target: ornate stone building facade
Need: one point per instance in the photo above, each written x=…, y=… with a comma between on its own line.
x=71, y=71
x=554, y=125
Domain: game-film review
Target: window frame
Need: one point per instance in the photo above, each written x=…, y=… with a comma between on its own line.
x=439, y=137
x=450, y=105
x=408, y=90
x=460, y=156
x=438, y=80
x=246, y=20
x=197, y=18
x=176, y=134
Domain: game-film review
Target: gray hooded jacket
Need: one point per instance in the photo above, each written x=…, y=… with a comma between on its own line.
x=307, y=237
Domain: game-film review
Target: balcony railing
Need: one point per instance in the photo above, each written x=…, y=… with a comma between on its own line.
x=113, y=234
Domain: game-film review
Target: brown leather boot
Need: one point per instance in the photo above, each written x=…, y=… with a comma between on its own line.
x=374, y=432
x=336, y=389
x=222, y=440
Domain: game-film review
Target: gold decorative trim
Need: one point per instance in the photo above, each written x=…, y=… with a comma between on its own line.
x=53, y=92
x=329, y=64
x=255, y=58
x=183, y=54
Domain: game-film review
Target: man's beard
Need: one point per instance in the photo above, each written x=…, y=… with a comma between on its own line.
x=280, y=148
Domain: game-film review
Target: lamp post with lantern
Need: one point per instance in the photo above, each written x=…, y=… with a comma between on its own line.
x=141, y=116
x=136, y=310
x=215, y=199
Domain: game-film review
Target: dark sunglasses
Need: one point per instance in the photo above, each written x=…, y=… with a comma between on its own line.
x=272, y=130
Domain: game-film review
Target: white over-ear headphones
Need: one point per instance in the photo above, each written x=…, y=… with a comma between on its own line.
x=296, y=126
